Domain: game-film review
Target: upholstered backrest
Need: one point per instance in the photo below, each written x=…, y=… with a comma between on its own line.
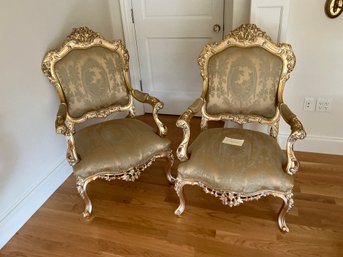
x=91, y=79
x=244, y=77
x=90, y=75
x=243, y=81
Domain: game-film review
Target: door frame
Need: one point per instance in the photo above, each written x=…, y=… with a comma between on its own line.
x=126, y=11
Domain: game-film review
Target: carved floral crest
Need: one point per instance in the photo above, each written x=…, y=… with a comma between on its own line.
x=83, y=35
x=248, y=32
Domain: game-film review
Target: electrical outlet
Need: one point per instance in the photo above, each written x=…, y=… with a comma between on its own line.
x=323, y=104
x=309, y=104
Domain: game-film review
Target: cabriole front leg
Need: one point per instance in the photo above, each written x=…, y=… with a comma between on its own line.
x=81, y=186
x=179, y=191
x=286, y=206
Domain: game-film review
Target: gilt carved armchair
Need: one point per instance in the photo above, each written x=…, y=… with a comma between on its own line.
x=243, y=82
x=91, y=77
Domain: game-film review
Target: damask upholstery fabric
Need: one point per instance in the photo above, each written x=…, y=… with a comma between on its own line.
x=256, y=165
x=243, y=81
x=91, y=79
x=116, y=146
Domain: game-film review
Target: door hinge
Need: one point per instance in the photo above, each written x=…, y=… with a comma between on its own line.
x=132, y=16
x=141, y=85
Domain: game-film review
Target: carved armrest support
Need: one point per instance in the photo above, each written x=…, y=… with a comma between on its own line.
x=184, y=123
x=71, y=155
x=64, y=127
x=156, y=106
x=298, y=132
x=60, y=122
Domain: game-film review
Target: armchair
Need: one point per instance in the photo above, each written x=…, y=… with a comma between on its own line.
x=243, y=81
x=91, y=77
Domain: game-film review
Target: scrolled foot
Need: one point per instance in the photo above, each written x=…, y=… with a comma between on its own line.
x=180, y=210
x=81, y=187
x=284, y=228
x=87, y=215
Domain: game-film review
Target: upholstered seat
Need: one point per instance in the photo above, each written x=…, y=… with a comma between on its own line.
x=254, y=166
x=244, y=76
x=91, y=77
x=116, y=146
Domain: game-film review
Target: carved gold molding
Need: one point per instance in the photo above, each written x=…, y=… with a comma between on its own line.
x=129, y=175
x=82, y=35
x=248, y=33
x=236, y=198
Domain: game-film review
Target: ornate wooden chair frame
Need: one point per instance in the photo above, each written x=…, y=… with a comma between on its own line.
x=84, y=38
x=248, y=35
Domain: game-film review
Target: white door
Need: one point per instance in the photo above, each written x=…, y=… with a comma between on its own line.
x=170, y=35
x=271, y=16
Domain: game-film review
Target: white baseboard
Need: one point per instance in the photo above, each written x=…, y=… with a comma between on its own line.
x=315, y=144
x=29, y=204
x=312, y=143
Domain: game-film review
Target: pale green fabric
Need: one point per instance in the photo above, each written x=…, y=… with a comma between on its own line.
x=243, y=81
x=257, y=165
x=91, y=79
x=116, y=146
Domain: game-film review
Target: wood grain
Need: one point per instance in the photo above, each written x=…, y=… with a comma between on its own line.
x=137, y=219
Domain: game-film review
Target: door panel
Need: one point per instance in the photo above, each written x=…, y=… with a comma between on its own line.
x=271, y=16
x=178, y=55
x=158, y=8
x=170, y=36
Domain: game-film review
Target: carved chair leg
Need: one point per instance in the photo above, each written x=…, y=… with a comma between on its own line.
x=170, y=158
x=286, y=206
x=81, y=187
x=179, y=191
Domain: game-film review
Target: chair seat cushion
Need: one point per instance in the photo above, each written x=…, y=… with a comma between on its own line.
x=254, y=166
x=116, y=146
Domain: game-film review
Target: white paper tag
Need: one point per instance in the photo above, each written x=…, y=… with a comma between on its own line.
x=233, y=141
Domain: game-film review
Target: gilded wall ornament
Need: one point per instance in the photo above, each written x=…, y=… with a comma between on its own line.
x=333, y=8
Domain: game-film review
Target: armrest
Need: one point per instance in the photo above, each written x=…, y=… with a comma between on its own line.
x=62, y=128
x=298, y=132
x=183, y=122
x=156, y=106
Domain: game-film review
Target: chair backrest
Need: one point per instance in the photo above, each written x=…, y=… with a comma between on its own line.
x=244, y=76
x=90, y=75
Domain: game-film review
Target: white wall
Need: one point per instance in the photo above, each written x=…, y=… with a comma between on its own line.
x=317, y=43
x=32, y=155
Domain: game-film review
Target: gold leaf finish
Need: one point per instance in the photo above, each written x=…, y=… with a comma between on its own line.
x=82, y=35
x=65, y=123
x=246, y=36
x=248, y=33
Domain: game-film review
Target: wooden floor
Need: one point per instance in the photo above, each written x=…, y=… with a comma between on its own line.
x=136, y=219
